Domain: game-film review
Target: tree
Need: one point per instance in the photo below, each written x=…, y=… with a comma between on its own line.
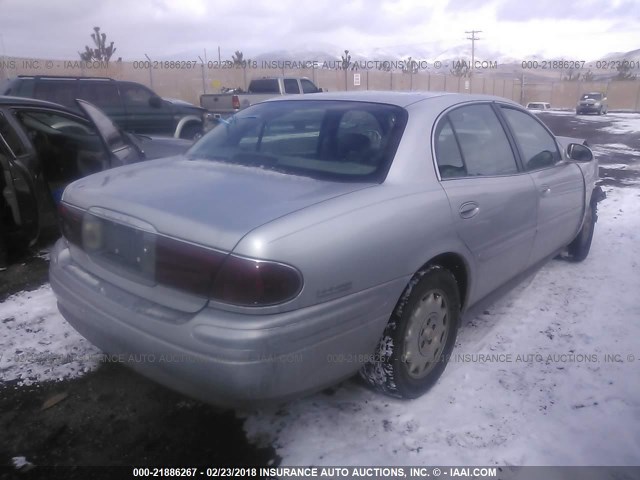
x=237, y=58
x=571, y=76
x=588, y=76
x=101, y=52
x=346, y=60
x=410, y=66
x=624, y=71
x=460, y=69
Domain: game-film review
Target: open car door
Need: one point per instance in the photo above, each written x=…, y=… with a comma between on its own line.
x=19, y=206
x=123, y=151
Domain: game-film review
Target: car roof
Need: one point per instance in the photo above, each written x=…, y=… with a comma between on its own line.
x=401, y=99
x=9, y=101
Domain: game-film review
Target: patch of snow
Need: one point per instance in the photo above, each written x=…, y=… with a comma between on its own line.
x=37, y=343
x=558, y=382
x=623, y=123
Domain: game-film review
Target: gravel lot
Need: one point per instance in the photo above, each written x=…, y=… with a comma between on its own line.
x=111, y=416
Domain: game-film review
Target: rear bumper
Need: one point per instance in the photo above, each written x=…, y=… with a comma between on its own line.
x=221, y=357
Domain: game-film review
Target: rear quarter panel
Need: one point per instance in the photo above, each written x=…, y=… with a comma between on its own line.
x=358, y=241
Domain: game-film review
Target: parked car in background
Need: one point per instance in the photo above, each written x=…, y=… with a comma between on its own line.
x=538, y=106
x=593, y=102
x=134, y=107
x=310, y=238
x=260, y=89
x=44, y=147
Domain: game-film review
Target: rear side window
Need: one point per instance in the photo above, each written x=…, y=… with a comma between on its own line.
x=483, y=143
x=291, y=85
x=537, y=146
x=333, y=140
x=448, y=153
x=58, y=91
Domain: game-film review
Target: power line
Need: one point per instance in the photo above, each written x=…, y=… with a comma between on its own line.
x=473, y=39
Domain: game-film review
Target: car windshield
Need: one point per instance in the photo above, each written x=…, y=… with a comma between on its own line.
x=593, y=96
x=333, y=140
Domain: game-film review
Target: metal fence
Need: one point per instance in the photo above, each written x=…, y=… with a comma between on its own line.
x=188, y=81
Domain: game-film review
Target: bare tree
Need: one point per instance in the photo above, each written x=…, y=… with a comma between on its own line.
x=460, y=69
x=346, y=60
x=624, y=71
x=571, y=76
x=101, y=52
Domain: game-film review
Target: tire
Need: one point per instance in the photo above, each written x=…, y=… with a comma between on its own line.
x=579, y=248
x=417, y=342
x=191, y=131
x=600, y=111
x=578, y=112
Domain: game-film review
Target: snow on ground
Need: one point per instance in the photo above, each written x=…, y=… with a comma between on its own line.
x=559, y=383
x=37, y=344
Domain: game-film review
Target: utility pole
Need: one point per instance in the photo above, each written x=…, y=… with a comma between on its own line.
x=473, y=39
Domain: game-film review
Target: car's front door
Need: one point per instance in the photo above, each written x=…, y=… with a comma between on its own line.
x=146, y=112
x=559, y=184
x=493, y=203
x=20, y=172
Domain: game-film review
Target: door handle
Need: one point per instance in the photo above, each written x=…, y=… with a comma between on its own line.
x=545, y=190
x=469, y=209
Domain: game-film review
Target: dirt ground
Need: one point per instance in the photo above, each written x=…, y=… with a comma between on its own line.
x=116, y=417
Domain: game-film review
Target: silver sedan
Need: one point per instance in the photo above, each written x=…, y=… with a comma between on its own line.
x=307, y=239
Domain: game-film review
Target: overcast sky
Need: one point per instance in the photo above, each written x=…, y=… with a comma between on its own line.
x=576, y=30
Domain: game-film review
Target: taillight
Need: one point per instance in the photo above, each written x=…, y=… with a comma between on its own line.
x=235, y=102
x=186, y=266
x=249, y=282
x=70, y=222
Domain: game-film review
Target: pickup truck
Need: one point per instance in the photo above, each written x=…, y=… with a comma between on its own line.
x=260, y=89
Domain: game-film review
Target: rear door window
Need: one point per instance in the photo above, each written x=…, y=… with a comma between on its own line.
x=63, y=92
x=291, y=85
x=101, y=94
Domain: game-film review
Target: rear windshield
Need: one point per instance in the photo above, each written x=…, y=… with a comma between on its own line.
x=266, y=85
x=334, y=140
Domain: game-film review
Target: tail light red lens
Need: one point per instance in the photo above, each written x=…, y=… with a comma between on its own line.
x=186, y=266
x=235, y=102
x=249, y=282
x=71, y=223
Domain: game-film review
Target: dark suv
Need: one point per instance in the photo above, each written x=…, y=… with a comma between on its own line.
x=134, y=107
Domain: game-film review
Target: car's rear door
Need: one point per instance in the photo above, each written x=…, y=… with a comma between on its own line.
x=559, y=184
x=493, y=202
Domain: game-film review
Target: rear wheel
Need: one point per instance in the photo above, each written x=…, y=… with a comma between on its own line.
x=418, y=340
x=191, y=131
x=579, y=248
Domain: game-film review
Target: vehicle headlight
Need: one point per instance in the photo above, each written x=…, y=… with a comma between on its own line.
x=597, y=104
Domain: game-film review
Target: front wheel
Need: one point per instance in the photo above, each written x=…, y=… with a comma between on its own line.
x=418, y=340
x=579, y=248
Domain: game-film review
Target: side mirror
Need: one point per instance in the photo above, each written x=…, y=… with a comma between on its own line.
x=155, y=102
x=579, y=153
